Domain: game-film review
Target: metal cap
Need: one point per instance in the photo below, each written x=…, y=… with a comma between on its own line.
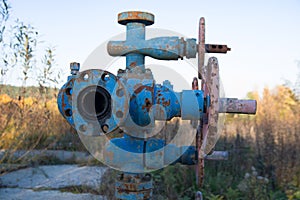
x=136, y=16
x=74, y=67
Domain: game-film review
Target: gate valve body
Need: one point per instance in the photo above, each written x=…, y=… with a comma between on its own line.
x=98, y=103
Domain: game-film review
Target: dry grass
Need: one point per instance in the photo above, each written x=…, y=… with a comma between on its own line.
x=34, y=123
x=269, y=141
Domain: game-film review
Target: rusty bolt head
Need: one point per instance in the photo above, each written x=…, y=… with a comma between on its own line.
x=74, y=67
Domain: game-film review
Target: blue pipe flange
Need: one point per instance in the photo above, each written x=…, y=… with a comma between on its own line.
x=64, y=101
x=192, y=104
x=98, y=101
x=139, y=121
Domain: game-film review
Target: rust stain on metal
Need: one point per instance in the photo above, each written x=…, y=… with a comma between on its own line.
x=147, y=105
x=212, y=76
x=231, y=105
x=216, y=48
x=195, y=85
x=136, y=16
x=166, y=103
x=137, y=86
x=146, y=193
x=135, y=185
x=130, y=186
x=142, y=87
x=158, y=101
x=133, y=15
x=132, y=64
x=201, y=48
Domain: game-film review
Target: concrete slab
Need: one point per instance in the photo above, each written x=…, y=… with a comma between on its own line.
x=25, y=194
x=23, y=183
x=54, y=176
x=64, y=156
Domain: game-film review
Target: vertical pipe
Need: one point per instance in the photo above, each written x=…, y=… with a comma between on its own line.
x=135, y=32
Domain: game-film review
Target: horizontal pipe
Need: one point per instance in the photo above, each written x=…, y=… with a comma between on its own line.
x=232, y=105
x=217, y=155
x=216, y=48
x=162, y=48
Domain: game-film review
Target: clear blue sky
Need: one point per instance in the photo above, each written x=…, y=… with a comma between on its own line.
x=264, y=35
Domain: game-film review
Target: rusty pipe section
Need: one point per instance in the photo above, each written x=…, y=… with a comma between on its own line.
x=233, y=105
x=216, y=48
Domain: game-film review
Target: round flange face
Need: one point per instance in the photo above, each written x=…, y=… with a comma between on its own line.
x=65, y=101
x=94, y=101
x=136, y=16
x=98, y=100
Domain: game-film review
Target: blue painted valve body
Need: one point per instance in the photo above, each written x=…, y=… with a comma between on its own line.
x=144, y=102
x=132, y=104
x=96, y=102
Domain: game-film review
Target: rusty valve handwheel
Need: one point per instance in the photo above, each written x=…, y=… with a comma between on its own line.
x=207, y=131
